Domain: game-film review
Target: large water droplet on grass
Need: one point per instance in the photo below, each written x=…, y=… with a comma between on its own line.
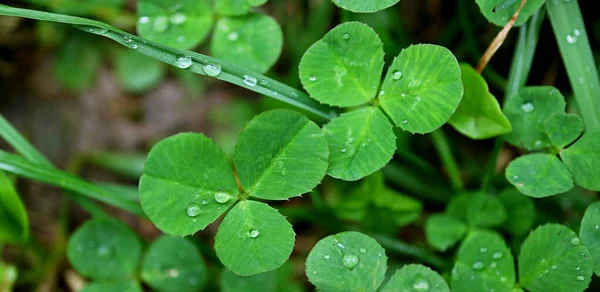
x=183, y=61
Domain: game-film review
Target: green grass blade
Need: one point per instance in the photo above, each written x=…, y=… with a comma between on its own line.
x=524, y=52
x=576, y=52
x=19, y=166
x=226, y=71
x=18, y=142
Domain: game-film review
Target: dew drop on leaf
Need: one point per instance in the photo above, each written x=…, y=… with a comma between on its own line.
x=397, y=75
x=183, y=61
x=528, y=107
x=253, y=233
x=161, y=24
x=212, y=70
x=178, y=18
x=144, y=19
x=575, y=241
x=350, y=261
x=362, y=250
x=222, y=197
x=580, y=278
x=478, y=266
x=483, y=249
x=497, y=255
x=249, y=80
x=553, y=267
x=578, y=268
x=173, y=273
x=327, y=257
x=313, y=78
x=204, y=202
x=421, y=284
x=104, y=251
x=193, y=210
x=233, y=36
x=346, y=36
x=405, y=121
x=503, y=279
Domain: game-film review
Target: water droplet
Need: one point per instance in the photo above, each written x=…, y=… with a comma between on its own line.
x=362, y=250
x=397, y=75
x=127, y=39
x=497, y=255
x=134, y=46
x=493, y=265
x=178, y=18
x=577, y=268
x=572, y=38
x=346, y=36
x=546, y=272
x=212, y=70
x=575, y=241
x=597, y=226
x=193, y=210
x=253, y=233
x=173, y=273
x=144, y=19
x=381, y=93
x=503, y=279
x=343, y=150
x=249, y=80
x=104, y=251
x=527, y=107
x=222, y=197
x=233, y=36
x=553, y=267
x=483, y=249
x=315, y=272
x=313, y=78
x=478, y=266
x=580, y=278
x=327, y=257
x=101, y=30
x=160, y=24
x=421, y=284
x=350, y=261
x=404, y=121
x=515, y=176
x=183, y=61
x=379, y=254
x=204, y=202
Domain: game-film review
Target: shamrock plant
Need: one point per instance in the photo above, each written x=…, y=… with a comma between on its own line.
x=346, y=142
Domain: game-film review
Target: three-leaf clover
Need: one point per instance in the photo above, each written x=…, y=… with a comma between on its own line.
x=188, y=183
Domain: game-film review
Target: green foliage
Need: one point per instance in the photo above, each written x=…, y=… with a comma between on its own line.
x=521, y=209
x=583, y=158
x=236, y=7
x=173, y=264
x=499, y=12
x=479, y=115
x=280, y=154
x=14, y=224
x=356, y=262
x=254, y=238
x=484, y=210
x=8, y=276
x=483, y=263
x=443, y=231
x=78, y=74
x=174, y=23
x=527, y=111
x=253, y=41
x=363, y=6
x=590, y=234
x=421, y=95
x=563, y=129
x=104, y=249
x=360, y=143
x=231, y=282
x=553, y=259
x=138, y=73
x=123, y=286
x=416, y=278
x=177, y=194
x=539, y=175
x=335, y=71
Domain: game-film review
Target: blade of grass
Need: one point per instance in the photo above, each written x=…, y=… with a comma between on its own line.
x=19, y=166
x=574, y=46
x=229, y=72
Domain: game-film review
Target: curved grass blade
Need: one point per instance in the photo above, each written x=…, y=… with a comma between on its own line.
x=191, y=61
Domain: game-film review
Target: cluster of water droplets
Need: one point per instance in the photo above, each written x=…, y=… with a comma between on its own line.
x=194, y=210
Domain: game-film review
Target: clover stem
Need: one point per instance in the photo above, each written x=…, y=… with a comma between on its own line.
x=443, y=148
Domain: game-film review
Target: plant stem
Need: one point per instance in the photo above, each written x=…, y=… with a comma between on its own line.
x=577, y=56
x=443, y=148
x=401, y=247
x=524, y=53
x=405, y=178
x=231, y=73
x=17, y=165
